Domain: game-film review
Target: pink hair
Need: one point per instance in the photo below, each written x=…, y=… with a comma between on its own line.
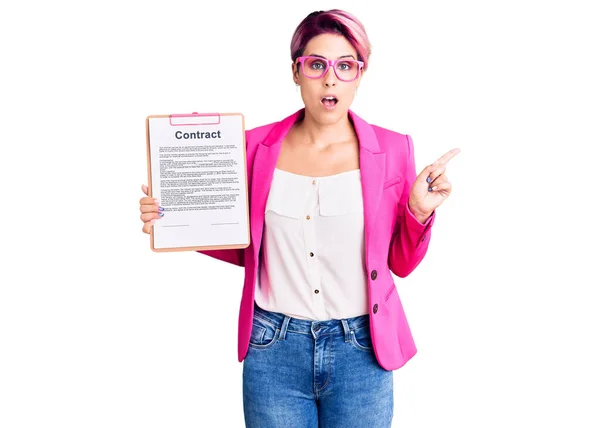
x=333, y=21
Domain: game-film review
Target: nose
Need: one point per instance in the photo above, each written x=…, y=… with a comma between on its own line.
x=330, y=77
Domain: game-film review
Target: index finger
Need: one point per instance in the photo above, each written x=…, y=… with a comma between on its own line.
x=446, y=158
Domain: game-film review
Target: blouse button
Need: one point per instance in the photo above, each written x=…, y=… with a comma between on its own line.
x=316, y=291
x=308, y=217
x=314, y=182
x=312, y=254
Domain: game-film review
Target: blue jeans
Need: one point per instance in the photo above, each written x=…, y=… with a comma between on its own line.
x=308, y=374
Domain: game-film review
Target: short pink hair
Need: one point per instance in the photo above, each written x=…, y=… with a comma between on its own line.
x=332, y=21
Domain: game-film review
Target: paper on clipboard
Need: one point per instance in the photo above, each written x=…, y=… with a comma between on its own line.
x=197, y=171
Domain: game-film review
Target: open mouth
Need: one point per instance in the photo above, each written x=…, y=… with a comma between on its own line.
x=329, y=101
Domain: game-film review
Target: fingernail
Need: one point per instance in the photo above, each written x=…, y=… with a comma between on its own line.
x=152, y=221
x=429, y=179
x=161, y=214
x=161, y=209
x=434, y=188
x=156, y=201
x=429, y=190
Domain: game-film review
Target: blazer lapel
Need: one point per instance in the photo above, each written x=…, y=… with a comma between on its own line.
x=372, y=173
x=264, y=164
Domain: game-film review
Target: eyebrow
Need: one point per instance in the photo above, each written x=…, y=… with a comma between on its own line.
x=339, y=57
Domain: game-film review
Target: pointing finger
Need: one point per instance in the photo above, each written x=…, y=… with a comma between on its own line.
x=446, y=158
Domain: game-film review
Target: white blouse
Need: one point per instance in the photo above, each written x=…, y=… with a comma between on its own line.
x=313, y=260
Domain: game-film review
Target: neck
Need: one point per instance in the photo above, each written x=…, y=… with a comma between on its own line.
x=321, y=134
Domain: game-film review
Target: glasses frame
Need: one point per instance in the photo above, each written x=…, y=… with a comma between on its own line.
x=330, y=63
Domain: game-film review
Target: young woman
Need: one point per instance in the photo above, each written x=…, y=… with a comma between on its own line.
x=335, y=207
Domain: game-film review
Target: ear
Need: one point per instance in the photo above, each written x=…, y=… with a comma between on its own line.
x=295, y=75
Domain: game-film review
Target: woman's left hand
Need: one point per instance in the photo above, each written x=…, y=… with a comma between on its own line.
x=431, y=187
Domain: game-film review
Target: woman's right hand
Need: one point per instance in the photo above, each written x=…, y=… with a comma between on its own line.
x=150, y=210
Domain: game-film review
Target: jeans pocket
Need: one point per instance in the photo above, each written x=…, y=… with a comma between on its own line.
x=361, y=338
x=263, y=335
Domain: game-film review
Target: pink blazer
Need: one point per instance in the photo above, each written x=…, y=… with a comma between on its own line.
x=395, y=241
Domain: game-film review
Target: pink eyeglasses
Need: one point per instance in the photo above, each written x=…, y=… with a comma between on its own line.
x=315, y=67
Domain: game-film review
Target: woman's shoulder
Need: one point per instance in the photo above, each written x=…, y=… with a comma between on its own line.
x=391, y=140
x=386, y=136
x=388, y=133
x=259, y=132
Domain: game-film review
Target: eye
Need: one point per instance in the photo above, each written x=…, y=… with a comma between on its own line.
x=345, y=66
x=316, y=64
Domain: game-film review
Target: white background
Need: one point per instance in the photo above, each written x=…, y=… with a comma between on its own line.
x=96, y=330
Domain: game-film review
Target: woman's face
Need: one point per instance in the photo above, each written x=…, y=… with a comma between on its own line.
x=315, y=91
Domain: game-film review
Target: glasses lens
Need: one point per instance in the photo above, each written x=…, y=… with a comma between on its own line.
x=347, y=70
x=314, y=67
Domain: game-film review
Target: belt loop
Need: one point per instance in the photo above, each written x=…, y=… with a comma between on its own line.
x=284, y=327
x=346, y=330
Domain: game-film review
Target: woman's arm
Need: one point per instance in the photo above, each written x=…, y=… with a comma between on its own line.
x=410, y=238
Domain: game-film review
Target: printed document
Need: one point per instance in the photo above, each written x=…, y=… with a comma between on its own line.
x=197, y=166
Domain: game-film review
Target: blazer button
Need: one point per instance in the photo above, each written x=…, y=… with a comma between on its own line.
x=375, y=308
x=373, y=275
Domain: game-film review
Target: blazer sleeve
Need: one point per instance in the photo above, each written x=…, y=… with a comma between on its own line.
x=410, y=238
x=235, y=256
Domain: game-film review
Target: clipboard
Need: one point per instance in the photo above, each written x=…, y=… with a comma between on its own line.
x=197, y=168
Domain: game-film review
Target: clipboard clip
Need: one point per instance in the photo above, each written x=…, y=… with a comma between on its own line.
x=195, y=119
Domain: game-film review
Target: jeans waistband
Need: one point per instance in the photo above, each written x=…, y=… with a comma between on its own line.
x=286, y=323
